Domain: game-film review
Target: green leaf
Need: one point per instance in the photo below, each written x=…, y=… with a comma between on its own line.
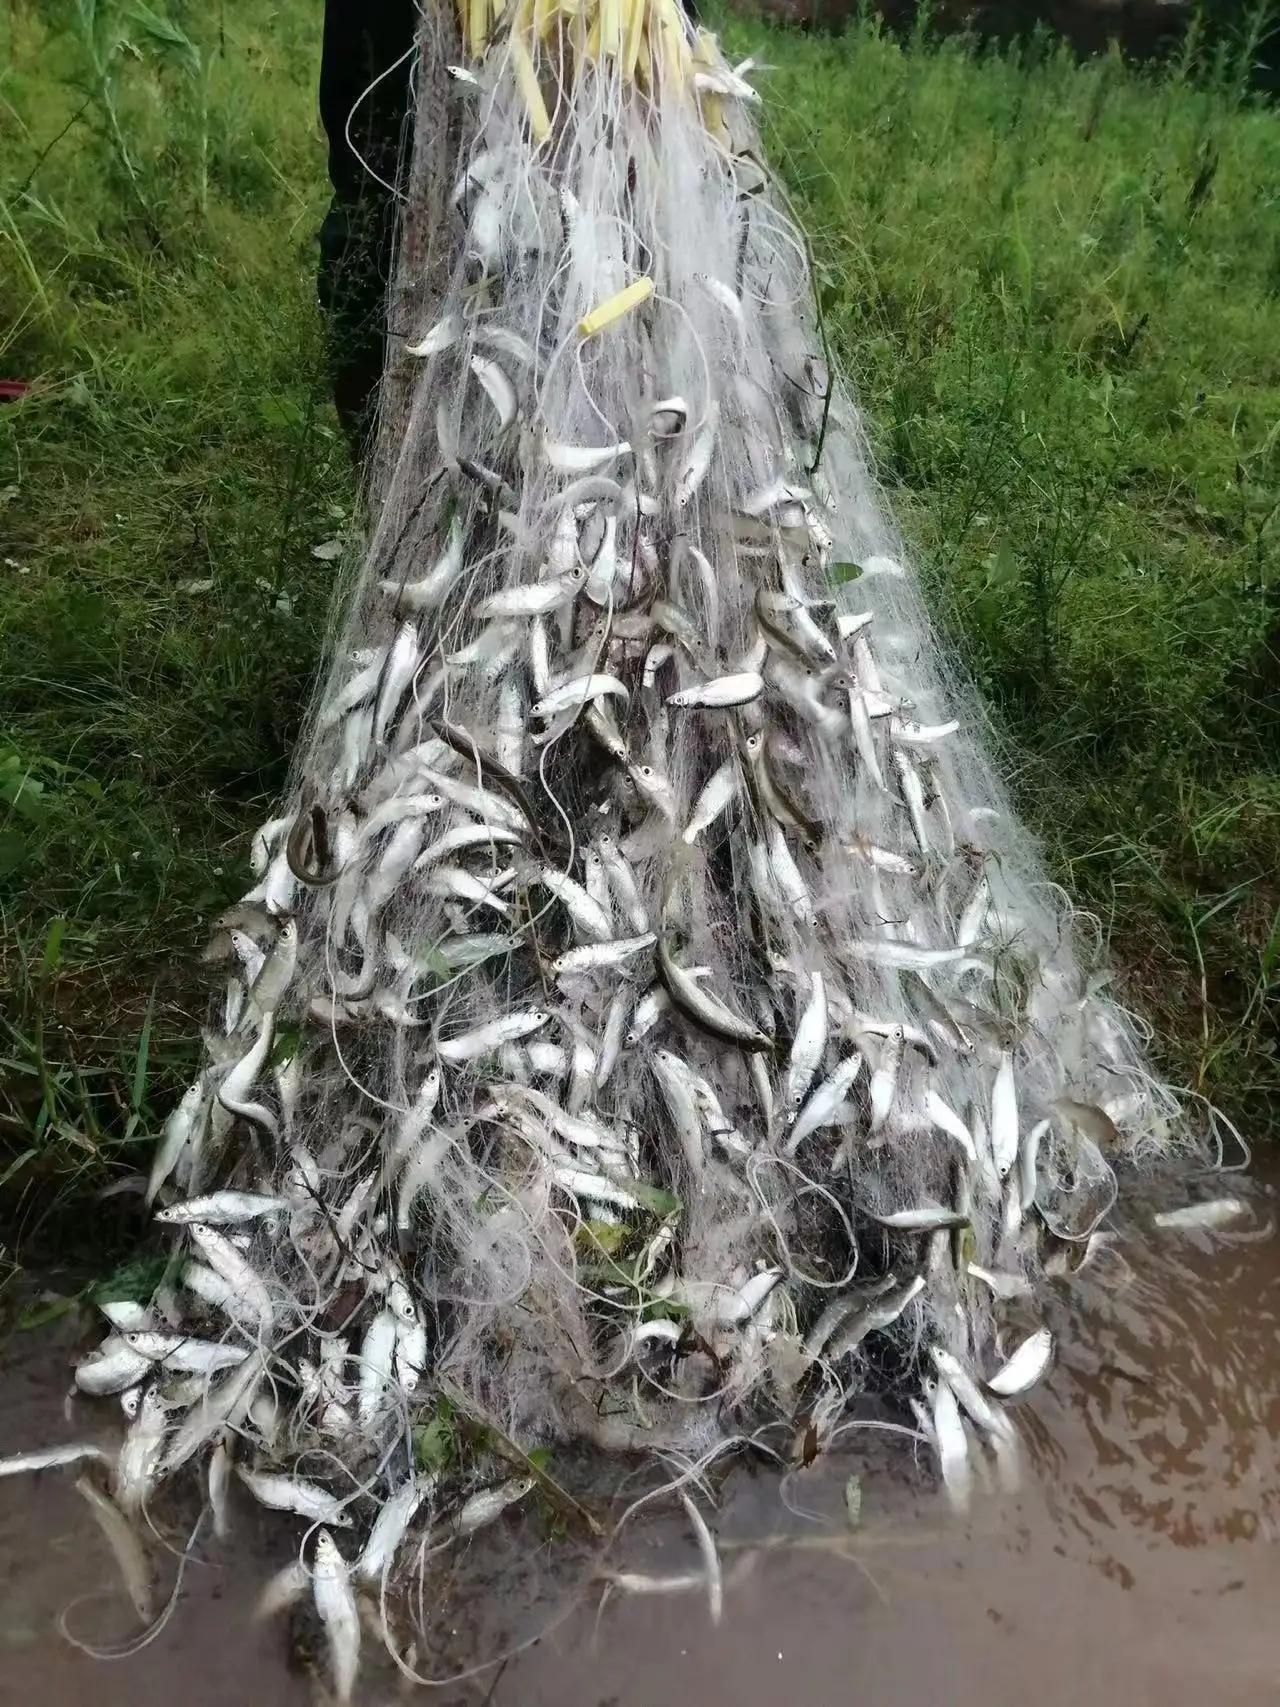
x=433, y=1446
x=539, y=1458
x=652, y=1197
x=138, y=1089
x=1001, y=567
x=36, y=1315
x=132, y=1281
x=288, y=1040
x=17, y=1164
x=23, y=793
x=164, y=37
x=606, y=1236
x=279, y=412
x=665, y=1310
x=53, y=947
x=841, y=573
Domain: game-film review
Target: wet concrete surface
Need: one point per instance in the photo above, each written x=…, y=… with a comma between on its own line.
x=1139, y=1562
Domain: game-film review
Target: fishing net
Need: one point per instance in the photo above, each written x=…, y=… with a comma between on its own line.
x=649, y=1028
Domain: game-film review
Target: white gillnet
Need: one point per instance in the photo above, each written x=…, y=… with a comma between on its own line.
x=650, y=1025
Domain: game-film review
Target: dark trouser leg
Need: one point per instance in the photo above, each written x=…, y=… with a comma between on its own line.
x=355, y=246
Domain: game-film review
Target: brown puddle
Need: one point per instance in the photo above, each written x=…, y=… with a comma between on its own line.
x=1140, y=1563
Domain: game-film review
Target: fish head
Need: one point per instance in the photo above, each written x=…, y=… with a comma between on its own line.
x=400, y=1301
x=153, y=1406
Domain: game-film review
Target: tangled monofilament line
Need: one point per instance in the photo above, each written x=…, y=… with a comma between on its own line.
x=650, y=1019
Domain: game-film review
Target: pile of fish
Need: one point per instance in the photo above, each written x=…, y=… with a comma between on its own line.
x=649, y=1026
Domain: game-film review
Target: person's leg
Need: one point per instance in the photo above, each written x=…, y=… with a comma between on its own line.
x=352, y=289
x=364, y=97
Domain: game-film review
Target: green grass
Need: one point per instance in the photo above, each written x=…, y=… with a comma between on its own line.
x=1057, y=288
x=160, y=492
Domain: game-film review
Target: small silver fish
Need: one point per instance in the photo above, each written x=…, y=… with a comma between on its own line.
x=51, y=1457
x=536, y=598
x=290, y=1493
x=498, y=388
x=1003, y=1285
x=1004, y=1117
x=597, y=1188
x=574, y=695
x=139, y=1461
x=484, y=1507
x=634, y=1582
x=484, y=1039
x=1028, y=1364
x=808, y=1047
x=335, y=1604
x=612, y=1036
x=887, y=951
x=945, y=1118
x=185, y=1355
x=390, y=1525
x=824, y=1104
x=579, y=459
x=705, y=1010
x=446, y=331
x=182, y=1131
x=125, y=1545
x=743, y=688
x=966, y=1389
x=111, y=1369
x=125, y=1316
x=1217, y=1212
x=224, y=1259
x=692, y=468
x=377, y=1354
x=426, y=594
x=953, y=1447
x=589, y=917
x=453, y=883
x=675, y=1080
x=884, y=1079
x=929, y=1219
x=879, y=1312
x=717, y=793
x=461, y=837
x=221, y=1208
x=224, y=1406
x=919, y=734
x=219, y=1481
x=600, y=956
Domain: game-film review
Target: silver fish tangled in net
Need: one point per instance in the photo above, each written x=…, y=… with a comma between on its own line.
x=649, y=1015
